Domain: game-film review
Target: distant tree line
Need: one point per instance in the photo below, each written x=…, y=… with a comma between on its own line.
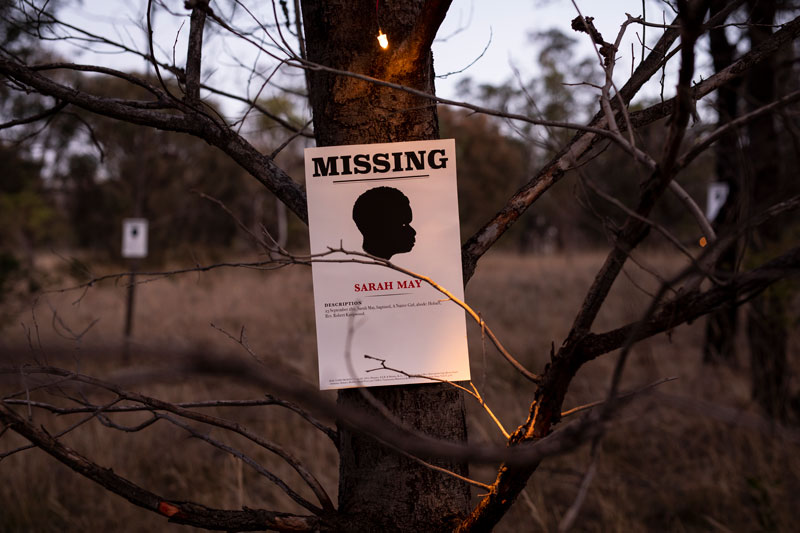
x=71, y=184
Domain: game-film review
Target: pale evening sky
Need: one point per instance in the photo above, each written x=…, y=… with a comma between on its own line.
x=503, y=25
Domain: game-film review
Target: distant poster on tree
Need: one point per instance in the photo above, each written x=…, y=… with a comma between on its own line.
x=134, y=237
x=375, y=325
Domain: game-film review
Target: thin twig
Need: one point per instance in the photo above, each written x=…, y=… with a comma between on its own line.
x=623, y=396
x=474, y=392
x=572, y=513
x=255, y=465
x=35, y=118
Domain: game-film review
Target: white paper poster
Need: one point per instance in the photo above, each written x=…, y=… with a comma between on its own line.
x=134, y=237
x=397, y=201
x=717, y=195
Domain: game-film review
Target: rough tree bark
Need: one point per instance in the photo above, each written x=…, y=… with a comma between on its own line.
x=380, y=490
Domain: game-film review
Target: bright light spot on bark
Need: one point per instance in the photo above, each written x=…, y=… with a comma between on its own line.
x=383, y=40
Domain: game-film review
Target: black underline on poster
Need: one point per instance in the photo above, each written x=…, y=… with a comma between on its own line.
x=381, y=295
x=418, y=176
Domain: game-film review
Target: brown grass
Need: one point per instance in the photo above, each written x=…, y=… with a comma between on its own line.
x=667, y=464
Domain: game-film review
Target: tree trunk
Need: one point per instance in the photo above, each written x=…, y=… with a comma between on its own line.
x=380, y=490
x=721, y=326
x=766, y=320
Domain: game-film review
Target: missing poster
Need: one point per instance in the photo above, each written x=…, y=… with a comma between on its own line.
x=397, y=201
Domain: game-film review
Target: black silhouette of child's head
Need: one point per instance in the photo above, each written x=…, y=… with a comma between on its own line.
x=383, y=215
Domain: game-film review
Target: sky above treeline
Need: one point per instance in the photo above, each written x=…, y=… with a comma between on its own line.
x=480, y=39
x=503, y=28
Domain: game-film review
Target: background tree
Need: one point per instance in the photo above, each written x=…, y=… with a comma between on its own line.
x=722, y=326
x=754, y=163
x=769, y=178
x=27, y=206
x=403, y=451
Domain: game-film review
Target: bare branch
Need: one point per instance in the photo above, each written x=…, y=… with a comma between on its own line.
x=447, y=472
x=251, y=462
x=694, y=209
x=484, y=238
x=195, y=50
x=418, y=444
x=634, y=230
x=474, y=392
x=690, y=306
x=304, y=131
x=779, y=39
x=732, y=416
x=572, y=513
x=702, y=144
x=626, y=395
x=181, y=512
x=128, y=429
x=234, y=427
x=152, y=51
x=35, y=118
x=289, y=140
x=190, y=121
x=258, y=240
x=330, y=432
x=269, y=400
x=511, y=480
x=630, y=212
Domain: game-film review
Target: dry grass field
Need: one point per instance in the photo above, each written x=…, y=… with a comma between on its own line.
x=691, y=455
